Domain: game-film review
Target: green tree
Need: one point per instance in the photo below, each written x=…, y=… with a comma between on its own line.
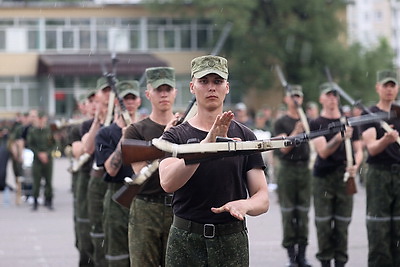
x=303, y=37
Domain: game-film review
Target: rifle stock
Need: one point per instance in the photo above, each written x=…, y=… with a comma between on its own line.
x=138, y=150
x=125, y=194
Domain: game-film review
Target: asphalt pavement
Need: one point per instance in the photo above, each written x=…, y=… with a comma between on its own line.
x=46, y=238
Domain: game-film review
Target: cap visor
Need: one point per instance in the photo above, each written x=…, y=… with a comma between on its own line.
x=203, y=73
x=160, y=82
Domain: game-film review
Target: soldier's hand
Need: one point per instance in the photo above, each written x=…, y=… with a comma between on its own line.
x=348, y=133
x=220, y=127
x=392, y=136
x=298, y=128
x=43, y=157
x=237, y=209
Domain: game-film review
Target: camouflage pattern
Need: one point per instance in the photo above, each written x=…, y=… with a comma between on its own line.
x=385, y=76
x=294, y=191
x=201, y=66
x=85, y=246
x=96, y=190
x=115, y=225
x=383, y=216
x=227, y=250
x=333, y=208
x=160, y=75
x=149, y=225
x=128, y=87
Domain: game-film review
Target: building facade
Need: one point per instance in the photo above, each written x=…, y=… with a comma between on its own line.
x=52, y=53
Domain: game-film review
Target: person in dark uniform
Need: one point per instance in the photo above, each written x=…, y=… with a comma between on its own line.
x=383, y=178
x=211, y=199
x=41, y=141
x=90, y=253
x=108, y=155
x=294, y=182
x=333, y=206
x=151, y=212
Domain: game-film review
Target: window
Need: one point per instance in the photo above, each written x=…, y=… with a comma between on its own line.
x=68, y=39
x=2, y=39
x=51, y=39
x=84, y=39
x=153, y=39
x=185, y=38
x=169, y=39
x=17, y=97
x=33, y=39
x=3, y=97
x=102, y=40
x=134, y=39
x=33, y=96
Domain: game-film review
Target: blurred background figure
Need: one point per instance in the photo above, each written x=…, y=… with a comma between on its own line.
x=242, y=115
x=312, y=110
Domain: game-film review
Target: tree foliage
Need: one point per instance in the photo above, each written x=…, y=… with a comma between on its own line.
x=303, y=37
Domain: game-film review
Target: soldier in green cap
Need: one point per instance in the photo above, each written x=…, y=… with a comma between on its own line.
x=212, y=198
x=294, y=181
x=108, y=156
x=333, y=206
x=41, y=141
x=383, y=177
x=151, y=212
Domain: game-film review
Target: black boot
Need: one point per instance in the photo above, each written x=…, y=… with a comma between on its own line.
x=326, y=263
x=48, y=203
x=339, y=264
x=301, y=257
x=292, y=257
x=35, y=204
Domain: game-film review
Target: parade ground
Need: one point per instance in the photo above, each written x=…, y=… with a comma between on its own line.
x=46, y=238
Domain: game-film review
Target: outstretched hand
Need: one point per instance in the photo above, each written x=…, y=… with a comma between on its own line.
x=237, y=209
x=220, y=127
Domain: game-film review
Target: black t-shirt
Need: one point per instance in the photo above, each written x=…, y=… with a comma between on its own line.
x=85, y=127
x=391, y=154
x=215, y=182
x=324, y=166
x=107, y=139
x=147, y=130
x=285, y=125
x=74, y=133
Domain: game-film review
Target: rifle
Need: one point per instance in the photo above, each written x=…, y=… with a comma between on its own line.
x=226, y=147
x=351, y=187
x=132, y=187
x=300, y=111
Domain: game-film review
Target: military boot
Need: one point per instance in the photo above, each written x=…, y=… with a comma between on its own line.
x=35, y=204
x=48, y=203
x=339, y=264
x=301, y=257
x=292, y=257
x=325, y=263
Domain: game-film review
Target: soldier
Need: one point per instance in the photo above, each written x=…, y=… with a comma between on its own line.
x=41, y=141
x=108, y=155
x=211, y=199
x=383, y=178
x=151, y=212
x=333, y=206
x=294, y=182
x=88, y=234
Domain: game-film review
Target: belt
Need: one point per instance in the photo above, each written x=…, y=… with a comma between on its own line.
x=393, y=168
x=209, y=230
x=300, y=163
x=162, y=199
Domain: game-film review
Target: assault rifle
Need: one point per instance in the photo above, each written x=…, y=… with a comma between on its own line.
x=351, y=187
x=227, y=147
x=300, y=111
x=133, y=185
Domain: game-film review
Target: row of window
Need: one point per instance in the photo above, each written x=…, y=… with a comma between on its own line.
x=104, y=34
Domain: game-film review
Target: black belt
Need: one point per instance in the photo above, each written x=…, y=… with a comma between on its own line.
x=162, y=199
x=299, y=163
x=209, y=230
x=393, y=168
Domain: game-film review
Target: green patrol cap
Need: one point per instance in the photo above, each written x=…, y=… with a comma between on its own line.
x=160, y=75
x=327, y=87
x=295, y=90
x=89, y=94
x=41, y=113
x=385, y=76
x=201, y=66
x=128, y=87
x=102, y=83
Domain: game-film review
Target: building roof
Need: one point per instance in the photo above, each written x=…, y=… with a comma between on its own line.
x=91, y=64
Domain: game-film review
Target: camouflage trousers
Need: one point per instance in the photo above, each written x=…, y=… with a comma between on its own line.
x=149, y=224
x=85, y=246
x=45, y=171
x=115, y=225
x=191, y=249
x=96, y=191
x=383, y=215
x=333, y=209
x=294, y=191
